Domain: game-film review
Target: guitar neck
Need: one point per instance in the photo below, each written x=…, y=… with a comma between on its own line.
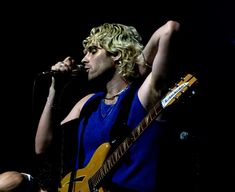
x=171, y=97
x=123, y=147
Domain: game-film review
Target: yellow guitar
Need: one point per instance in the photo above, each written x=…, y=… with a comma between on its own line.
x=89, y=178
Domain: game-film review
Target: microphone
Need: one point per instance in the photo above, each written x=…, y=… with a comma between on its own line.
x=79, y=68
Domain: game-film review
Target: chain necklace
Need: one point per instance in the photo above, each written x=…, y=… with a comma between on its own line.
x=106, y=109
x=117, y=94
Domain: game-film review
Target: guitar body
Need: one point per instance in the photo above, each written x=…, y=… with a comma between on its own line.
x=80, y=182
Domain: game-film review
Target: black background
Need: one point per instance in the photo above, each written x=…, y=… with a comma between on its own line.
x=36, y=35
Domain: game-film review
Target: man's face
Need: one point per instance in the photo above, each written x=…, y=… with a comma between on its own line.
x=97, y=62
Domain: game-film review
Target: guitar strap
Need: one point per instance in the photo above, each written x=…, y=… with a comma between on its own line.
x=120, y=129
x=69, y=157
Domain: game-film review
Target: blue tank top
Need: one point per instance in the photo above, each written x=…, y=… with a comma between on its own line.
x=138, y=170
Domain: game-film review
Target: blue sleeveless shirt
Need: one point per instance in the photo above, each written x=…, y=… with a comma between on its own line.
x=138, y=170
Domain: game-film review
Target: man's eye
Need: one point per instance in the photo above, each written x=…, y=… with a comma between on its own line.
x=93, y=49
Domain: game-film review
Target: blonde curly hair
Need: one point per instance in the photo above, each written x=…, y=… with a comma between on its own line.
x=117, y=39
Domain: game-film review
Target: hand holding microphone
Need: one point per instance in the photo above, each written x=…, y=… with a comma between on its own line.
x=67, y=67
x=77, y=69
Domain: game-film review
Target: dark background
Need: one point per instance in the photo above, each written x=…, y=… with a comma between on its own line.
x=36, y=35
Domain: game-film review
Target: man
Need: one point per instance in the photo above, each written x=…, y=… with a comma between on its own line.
x=135, y=79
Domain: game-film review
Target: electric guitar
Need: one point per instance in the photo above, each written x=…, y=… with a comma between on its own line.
x=89, y=178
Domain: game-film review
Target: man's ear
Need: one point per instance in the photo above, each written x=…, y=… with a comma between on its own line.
x=116, y=57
